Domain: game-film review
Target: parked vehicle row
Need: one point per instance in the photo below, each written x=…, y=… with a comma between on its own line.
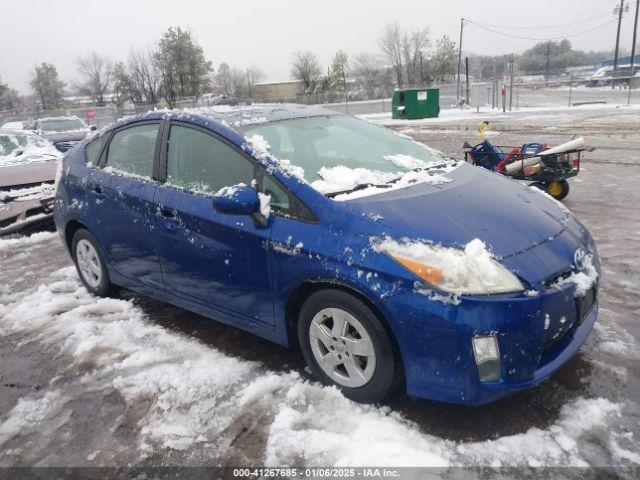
x=28, y=166
x=29, y=156
x=369, y=251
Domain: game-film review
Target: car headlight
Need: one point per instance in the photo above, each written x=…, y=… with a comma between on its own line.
x=471, y=270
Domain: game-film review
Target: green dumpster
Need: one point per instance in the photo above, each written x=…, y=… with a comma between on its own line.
x=414, y=103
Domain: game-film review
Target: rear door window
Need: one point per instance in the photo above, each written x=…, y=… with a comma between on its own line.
x=132, y=150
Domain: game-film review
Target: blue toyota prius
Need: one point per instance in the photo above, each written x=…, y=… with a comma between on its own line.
x=386, y=262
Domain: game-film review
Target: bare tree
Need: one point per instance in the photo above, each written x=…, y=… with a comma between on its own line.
x=366, y=71
x=306, y=67
x=97, y=73
x=224, y=80
x=145, y=73
x=391, y=45
x=405, y=52
x=414, y=47
x=254, y=75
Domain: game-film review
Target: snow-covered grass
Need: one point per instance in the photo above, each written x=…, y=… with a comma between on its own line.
x=188, y=396
x=486, y=113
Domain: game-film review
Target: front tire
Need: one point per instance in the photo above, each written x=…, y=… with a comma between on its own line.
x=90, y=263
x=345, y=344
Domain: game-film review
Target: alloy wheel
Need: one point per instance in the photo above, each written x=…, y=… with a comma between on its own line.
x=342, y=347
x=89, y=263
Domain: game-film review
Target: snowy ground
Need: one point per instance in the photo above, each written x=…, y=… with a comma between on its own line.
x=131, y=381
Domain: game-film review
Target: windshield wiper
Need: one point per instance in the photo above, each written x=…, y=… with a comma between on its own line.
x=362, y=186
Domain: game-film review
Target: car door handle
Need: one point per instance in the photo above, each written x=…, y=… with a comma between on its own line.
x=97, y=191
x=171, y=223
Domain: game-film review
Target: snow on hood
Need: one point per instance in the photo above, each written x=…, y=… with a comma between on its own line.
x=16, y=149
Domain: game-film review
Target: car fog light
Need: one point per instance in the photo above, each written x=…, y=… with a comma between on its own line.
x=487, y=355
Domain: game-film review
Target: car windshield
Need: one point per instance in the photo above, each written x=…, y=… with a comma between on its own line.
x=61, y=125
x=330, y=143
x=11, y=143
x=17, y=149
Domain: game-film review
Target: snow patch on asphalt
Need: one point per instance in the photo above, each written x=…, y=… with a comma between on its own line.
x=8, y=244
x=190, y=397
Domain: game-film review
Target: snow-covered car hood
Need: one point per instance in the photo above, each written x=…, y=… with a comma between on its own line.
x=25, y=153
x=508, y=216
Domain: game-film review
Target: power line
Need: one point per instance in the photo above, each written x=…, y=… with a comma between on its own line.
x=520, y=37
x=509, y=27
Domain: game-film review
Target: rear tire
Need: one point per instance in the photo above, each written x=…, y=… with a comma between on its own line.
x=90, y=264
x=354, y=352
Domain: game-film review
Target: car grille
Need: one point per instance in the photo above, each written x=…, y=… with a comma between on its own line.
x=584, y=305
x=64, y=146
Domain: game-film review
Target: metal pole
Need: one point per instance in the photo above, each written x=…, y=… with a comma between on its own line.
x=546, y=75
x=633, y=52
x=615, y=58
x=511, y=86
x=570, y=87
x=458, y=91
x=466, y=73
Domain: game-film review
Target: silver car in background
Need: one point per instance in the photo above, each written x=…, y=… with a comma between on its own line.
x=28, y=165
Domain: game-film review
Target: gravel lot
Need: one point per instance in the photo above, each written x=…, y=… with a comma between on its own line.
x=132, y=381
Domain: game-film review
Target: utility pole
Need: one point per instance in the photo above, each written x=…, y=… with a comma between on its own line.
x=458, y=87
x=466, y=74
x=546, y=75
x=620, y=9
x=633, y=52
x=570, y=88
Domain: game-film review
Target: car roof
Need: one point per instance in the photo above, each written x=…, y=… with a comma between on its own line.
x=46, y=119
x=261, y=113
x=234, y=116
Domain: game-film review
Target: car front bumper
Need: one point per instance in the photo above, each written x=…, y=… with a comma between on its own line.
x=19, y=215
x=536, y=335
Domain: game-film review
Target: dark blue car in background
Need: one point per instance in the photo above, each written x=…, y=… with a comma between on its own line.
x=386, y=262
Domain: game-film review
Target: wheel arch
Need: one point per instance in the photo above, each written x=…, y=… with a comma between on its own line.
x=70, y=230
x=300, y=293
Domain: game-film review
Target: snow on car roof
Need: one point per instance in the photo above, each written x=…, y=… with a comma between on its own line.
x=236, y=116
x=46, y=119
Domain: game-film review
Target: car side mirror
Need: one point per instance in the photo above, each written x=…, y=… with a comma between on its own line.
x=92, y=127
x=237, y=200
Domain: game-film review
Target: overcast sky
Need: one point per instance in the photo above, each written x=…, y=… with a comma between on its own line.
x=264, y=33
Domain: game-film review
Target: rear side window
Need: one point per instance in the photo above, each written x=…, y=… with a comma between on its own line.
x=132, y=150
x=93, y=150
x=199, y=162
